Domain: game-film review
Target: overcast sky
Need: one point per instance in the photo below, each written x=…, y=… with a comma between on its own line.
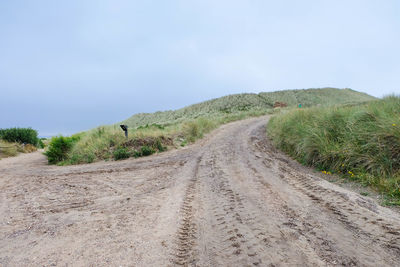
x=67, y=66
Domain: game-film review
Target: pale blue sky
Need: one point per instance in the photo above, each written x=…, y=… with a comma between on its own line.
x=67, y=66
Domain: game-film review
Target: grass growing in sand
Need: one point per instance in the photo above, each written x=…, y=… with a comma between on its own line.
x=155, y=132
x=11, y=149
x=360, y=142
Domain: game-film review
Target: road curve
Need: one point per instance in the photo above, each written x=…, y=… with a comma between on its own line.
x=229, y=200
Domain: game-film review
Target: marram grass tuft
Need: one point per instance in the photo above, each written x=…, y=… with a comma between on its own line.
x=361, y=142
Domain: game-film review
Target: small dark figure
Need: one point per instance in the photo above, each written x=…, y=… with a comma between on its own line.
x=125, y=129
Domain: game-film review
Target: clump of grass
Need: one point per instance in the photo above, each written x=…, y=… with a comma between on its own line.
x=361, y=142
x=59, y=147
x=196, y=129
x=137, y=154
x=147, y=150
x=121, y=153
x=28, y=148
x=8, y=149
x=159, y=145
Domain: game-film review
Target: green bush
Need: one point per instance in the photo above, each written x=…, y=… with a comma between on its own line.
x=75, y=159
x=121, y=153
x=137, y=154
x=146, y=150
x=20, y=135
x=59, y=147
x=159, y=146
x=90, y=157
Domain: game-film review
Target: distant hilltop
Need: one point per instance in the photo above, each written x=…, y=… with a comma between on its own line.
x=250, y=101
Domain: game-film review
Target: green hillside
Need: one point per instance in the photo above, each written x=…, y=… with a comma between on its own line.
x=156, y=132
x=360, y=142
x=246, y=102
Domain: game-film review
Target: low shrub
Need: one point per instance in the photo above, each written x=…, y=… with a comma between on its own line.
x=159, y=146
x=137, y=154
x=90, y=157
x=147, y=151
x=59, y=147
x=121, y=153
x=184, y=143
x=20, y=135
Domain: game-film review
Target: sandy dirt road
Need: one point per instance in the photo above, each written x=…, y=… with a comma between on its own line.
x=228, y=200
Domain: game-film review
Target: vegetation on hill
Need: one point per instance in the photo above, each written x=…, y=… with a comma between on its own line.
x=155, y=132
x=361, y=142
x=109, y=142
x=238, y=103
x=14, y=140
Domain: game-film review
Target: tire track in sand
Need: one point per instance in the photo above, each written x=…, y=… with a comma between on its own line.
x=184, y=253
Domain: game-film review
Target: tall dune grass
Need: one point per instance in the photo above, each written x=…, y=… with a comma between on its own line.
x=102, y=142
x=361, y=142
x=157, y=131
x=11, y=149
x=8, y=149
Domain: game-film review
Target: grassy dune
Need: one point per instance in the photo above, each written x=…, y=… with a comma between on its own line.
x=156, y=132
x=360, y=142
x=233, y=104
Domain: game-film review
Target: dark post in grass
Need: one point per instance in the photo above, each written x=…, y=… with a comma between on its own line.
x=125, y=129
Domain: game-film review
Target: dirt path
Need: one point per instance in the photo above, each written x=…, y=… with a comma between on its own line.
x=228, y=200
